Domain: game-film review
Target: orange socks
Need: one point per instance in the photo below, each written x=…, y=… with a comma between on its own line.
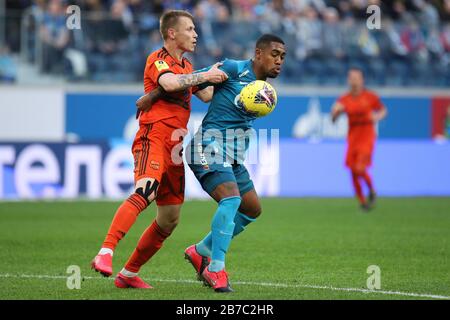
x=357, y=187
x=368, y=181
x=149, y=243
x=123, y=219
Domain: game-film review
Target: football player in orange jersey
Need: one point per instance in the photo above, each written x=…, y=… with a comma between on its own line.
x=364, y=109
x=156, y=175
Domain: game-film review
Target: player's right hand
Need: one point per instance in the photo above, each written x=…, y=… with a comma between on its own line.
x=215, y=75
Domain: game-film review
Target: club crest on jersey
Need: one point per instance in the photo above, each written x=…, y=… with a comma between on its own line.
x=161, y=65
x=154, y=165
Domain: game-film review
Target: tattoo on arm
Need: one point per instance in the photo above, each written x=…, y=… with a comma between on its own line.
x=190, y=80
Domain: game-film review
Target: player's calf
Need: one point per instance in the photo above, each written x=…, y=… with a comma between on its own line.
x=249, y=210
x=250, y=204
x=123, y=220
x=241, y=221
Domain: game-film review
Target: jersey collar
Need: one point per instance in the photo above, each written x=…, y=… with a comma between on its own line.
x=173, y=59
x=250, y=68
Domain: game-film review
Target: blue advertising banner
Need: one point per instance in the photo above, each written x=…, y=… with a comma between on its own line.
x=99, y=116
x=400, y=168
x=292, y=168
x=105, y=116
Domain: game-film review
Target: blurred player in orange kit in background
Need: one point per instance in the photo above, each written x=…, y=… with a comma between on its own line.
x=156, y=176
x=364, y=109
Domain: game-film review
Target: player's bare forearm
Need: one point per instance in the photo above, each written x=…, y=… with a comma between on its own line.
x=177, y=82
x=336, y=111
x=334, y=116
x=189, y=80
x=145, y=102
x=206, y=94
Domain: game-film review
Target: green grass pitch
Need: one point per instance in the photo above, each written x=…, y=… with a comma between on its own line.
x=308, y=248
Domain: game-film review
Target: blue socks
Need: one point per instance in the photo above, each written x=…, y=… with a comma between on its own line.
x=222, y=227
x=240, y=222
x=204, y=247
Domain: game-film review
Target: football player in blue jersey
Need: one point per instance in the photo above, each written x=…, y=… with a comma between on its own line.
x=216, y=158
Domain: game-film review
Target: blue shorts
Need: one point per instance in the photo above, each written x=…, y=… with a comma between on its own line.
x=211, y=172
x=214, y=175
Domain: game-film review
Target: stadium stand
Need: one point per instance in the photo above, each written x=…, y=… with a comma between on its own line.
x=324, y=38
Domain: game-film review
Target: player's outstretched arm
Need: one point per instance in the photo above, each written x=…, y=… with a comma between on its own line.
x=205, y=94
x=171, y=82
x=336, y=111
x=146, y=101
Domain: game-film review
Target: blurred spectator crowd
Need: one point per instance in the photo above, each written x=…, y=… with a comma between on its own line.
x=323, y=37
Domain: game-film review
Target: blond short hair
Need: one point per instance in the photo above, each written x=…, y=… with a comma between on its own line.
x=170, y=19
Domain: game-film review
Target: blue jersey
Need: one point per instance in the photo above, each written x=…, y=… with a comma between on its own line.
x=225, y=114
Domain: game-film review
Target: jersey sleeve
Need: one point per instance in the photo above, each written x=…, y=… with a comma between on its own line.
x=228, y=66
x=377, y=104
x=156, y=68
x=341, y=100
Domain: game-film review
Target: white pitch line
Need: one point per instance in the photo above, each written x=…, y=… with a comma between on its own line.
x=261, y=284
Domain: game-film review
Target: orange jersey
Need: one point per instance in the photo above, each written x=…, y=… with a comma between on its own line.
x=175, y=106
x=359, y=110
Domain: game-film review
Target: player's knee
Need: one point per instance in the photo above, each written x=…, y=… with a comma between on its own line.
x=168, y=217
x=169, y=224
x=251, y=209
x=147, y=191
x=256, y=212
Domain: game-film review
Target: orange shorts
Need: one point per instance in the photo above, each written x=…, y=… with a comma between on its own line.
x=358, y=159
x=157, y=154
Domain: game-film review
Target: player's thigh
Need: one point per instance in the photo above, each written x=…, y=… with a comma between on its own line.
x=243, y=179
x=167, y=216
x=147, y=188
x=150, y=158
x=148, y=152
